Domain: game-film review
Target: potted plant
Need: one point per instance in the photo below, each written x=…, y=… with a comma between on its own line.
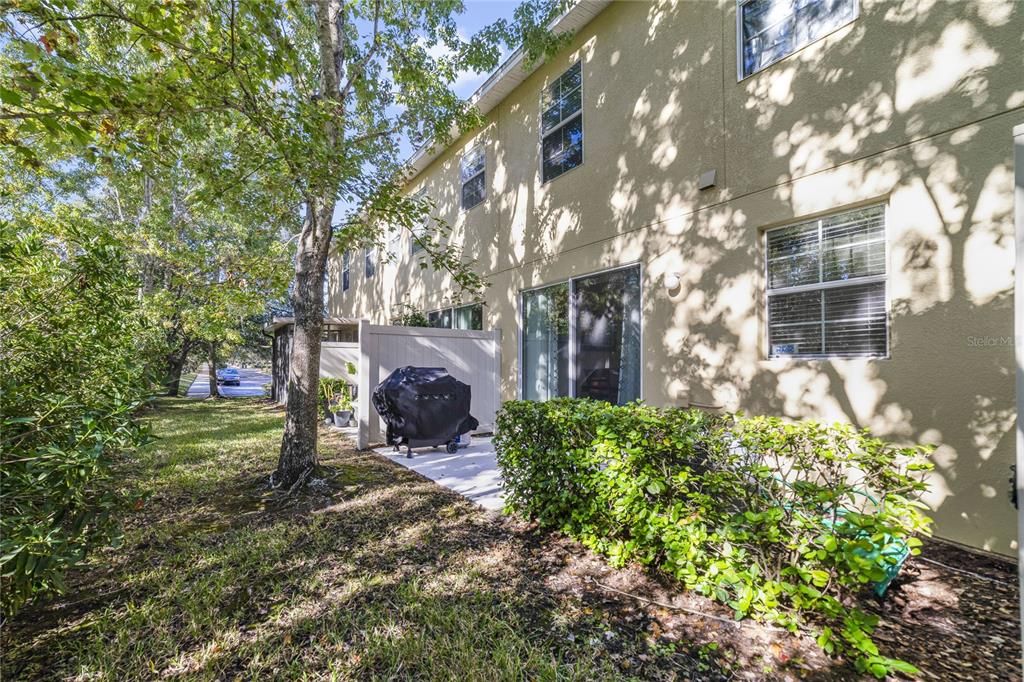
x=329, y=389
x=343, y=406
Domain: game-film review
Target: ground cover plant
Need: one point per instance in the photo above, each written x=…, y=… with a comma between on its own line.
x=785, y=522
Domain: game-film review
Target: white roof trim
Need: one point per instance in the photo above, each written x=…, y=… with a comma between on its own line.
x=278, y=322
x=509, y=76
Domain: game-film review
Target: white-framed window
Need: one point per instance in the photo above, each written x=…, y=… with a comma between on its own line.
x=370, y=262
x=394, y=243
x=346, y=267
x=473, y=176
x=561, y=123
x=769, y=30
x=460, y=317
x=420, y=229
x=826, y=281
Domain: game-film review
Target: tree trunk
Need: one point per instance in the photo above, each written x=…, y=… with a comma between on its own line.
x=214, y=393
x=298, y=445
x=175, y=365
x=173, y=380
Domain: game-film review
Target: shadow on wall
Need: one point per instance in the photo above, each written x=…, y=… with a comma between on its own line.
x=911, y=105
x=949, y=379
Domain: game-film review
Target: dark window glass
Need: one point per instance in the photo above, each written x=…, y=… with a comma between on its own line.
x=563, y=149
x=607, y=335
x=442, y=319
x=473, y=191
x=562, y=124
x=773, y=29
x=472, y=175
x=345, y=267
x=370, y=265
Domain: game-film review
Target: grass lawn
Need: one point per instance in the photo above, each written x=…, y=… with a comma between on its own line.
x=375, y=573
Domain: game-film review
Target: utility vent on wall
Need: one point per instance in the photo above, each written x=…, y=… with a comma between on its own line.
x=707, y=179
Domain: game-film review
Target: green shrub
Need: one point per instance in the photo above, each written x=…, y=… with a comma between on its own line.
x=785, y=522
x=72, y=380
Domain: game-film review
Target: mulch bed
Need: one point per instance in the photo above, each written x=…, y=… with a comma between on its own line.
x=952, y=612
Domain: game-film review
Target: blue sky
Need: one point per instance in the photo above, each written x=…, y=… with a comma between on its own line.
x=478, y=15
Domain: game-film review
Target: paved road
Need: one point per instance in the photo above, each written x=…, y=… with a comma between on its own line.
x=251, y=385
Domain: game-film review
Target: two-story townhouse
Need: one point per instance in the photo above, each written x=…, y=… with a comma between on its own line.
x=792, y=207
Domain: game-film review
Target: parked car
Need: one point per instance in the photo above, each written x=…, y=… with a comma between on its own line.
x=229, y=377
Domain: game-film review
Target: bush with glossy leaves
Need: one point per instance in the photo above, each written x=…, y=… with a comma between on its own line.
x=791, y=523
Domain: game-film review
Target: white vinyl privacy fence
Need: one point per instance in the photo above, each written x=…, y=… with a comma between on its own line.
x=472, y=357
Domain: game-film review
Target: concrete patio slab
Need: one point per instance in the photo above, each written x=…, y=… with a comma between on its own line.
x=472, y=472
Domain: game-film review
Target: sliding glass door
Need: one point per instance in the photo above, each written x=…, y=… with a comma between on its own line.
x=606, y=320
x=546, y=342
x=582, y=338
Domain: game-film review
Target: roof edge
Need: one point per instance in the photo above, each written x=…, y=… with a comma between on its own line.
x=506, y=78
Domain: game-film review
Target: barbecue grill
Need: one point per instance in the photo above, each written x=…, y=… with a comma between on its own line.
x=424, y=406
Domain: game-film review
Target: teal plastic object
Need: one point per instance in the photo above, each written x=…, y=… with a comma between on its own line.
x=890, y=554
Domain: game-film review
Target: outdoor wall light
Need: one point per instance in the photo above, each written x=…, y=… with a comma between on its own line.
x=672, y=281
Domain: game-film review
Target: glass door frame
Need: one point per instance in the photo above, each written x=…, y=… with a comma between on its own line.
x=572, y=312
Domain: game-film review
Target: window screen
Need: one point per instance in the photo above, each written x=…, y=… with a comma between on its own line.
x=826, y=286
x=472, y=174
x=562, y=124
x=772, y=29
x=346, y=265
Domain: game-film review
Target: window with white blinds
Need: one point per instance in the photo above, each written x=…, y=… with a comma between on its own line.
x=826, y=287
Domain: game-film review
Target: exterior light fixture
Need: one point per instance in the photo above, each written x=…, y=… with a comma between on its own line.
x=672, y=281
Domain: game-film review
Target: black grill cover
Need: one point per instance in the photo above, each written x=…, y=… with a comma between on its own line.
x=423, y=406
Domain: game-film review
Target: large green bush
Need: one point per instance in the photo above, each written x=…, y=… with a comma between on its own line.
x=786, y=522
x=72, y=380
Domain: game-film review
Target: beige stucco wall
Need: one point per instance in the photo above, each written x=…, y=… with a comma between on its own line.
x=911, y=105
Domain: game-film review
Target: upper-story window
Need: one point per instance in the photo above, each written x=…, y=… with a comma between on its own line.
x=394, y=243
x=826, y=287
x=562, y=124
x=370, y=262
x=471, y=172
x=419, y=230
x=772, y=29
x=346, y=266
